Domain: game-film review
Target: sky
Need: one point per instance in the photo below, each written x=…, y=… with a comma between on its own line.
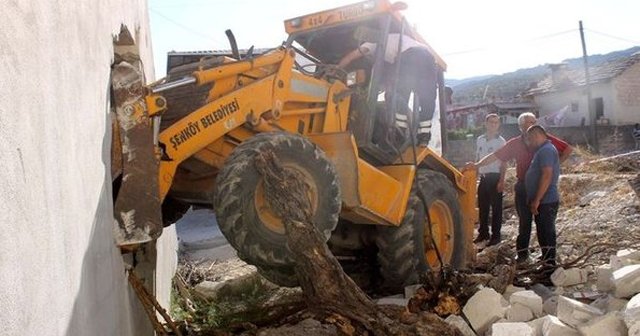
x=474, y=37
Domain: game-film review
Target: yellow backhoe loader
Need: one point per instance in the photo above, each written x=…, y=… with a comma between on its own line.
x=191, y=139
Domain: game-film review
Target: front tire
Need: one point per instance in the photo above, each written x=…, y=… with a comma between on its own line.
x=244, y=215
x=405, y=252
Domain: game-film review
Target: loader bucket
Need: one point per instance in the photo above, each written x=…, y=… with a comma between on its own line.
x=137, y=208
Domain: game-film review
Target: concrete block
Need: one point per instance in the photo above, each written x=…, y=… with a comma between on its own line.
x=634, y=330
x=552, y=326
x=411, y=290
x=519, y=313
x=624, y=258
x=484, y=308
x=461, y=324
x=536, y=325
x=626, y=281
x=550, y=305
x=510, y=329
x=528, y=299
x=604, y=278
x=632, y=312
x=393, y=301
x=510, y=290
x=610, y=325
x=575, y=313
x=609, y=304
x=568, y=277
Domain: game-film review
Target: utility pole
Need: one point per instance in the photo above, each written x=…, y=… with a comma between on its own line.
x=592, y=113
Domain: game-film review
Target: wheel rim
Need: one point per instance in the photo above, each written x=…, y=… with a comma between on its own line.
x=267, y=216
x=442, y=229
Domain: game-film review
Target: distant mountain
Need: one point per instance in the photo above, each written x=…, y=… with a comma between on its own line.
x=507, y=86
x=455, y=82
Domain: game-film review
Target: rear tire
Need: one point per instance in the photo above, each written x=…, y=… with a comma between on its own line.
x=243, y=215
x=406, y=252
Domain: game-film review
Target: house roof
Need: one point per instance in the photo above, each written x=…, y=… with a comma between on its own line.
x=500, y=106
x=573, y=78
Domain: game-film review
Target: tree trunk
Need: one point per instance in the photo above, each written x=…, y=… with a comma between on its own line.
x=327, y=289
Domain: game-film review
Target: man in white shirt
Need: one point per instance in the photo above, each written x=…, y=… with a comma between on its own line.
x=417, y=73
x=491, y=182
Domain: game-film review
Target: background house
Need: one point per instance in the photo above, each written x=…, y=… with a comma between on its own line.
x=472, y=116
x=615, y=89
x=60, y=270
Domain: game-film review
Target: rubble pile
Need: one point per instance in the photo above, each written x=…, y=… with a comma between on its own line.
x=583, y=301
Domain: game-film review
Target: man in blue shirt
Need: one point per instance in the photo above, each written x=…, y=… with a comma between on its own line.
x=541, y=184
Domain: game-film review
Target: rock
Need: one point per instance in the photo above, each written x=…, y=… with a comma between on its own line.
x=626, y=281
x=624, y=258
x=550, y=305
x=411, y=290
x=575, y=313
x=393, y=301
x=483, y=308
x=610, y=325
x=586, y=199
x=609, y=304
x=568, y=277
x=632, y=312
x=528, y=299
x=604, y=276
x=461, y=324
x=519, y=313
x=634, y=330
x=552, y=326
x=510, y=329
x=208, y=289
x=510, y=290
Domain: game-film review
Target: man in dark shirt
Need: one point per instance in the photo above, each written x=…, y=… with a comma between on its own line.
x=541, y=184
x=519, y=150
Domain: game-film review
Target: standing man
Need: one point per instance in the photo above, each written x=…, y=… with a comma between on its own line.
x=417, y=73
x=541, y=183
x=518, y=149
x=491, y=182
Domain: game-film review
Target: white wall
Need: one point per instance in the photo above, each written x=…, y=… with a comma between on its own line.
x=553, y=102
x=627, y=98
x=60, y=273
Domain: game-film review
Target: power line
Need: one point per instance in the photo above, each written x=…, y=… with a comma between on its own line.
x=543, y=37
x=613, y=36
x=189, y=29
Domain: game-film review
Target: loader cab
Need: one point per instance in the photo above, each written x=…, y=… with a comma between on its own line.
x=322, y=39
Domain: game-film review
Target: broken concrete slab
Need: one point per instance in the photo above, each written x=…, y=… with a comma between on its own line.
x=575, y=313
x=604, y=278
x=510, y=329
x=552, y=326
x=634, y=330
x=609, y=304
x=624, y=258
x=510, y=290
x=461, y=324
x=536, y=325
x=393, y=301
x=528, y=299
x=632, y=311
x=568, y=277
x=626, y=281
x=484, y=308
x=519, y=313
x=410, y=291
x=610, y=324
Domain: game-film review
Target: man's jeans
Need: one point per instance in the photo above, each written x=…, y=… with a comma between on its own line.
x=545, y=226
x=490, y=202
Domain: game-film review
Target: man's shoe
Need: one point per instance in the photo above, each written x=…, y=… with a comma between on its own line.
x=523, y=262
